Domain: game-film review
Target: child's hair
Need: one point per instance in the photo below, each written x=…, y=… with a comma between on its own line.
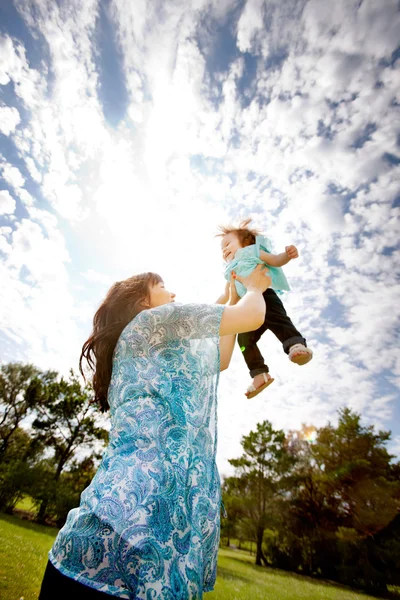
x=245, y=235
x=123, y=302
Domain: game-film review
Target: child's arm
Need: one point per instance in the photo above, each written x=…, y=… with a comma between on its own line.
x=223, y=299
x=278, y=260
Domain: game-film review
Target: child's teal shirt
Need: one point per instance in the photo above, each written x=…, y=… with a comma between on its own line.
x=245, y=261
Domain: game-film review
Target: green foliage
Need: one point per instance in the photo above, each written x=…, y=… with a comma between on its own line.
x=66, y=421
x=329, y=506
x=66, y=417
x=40, y=461
x=14, y=403
x=232, y=523
x=69, y=488
x=16, y=474
x=263, y=475
x=355, y=473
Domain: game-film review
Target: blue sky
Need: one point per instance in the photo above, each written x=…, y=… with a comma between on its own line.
x=130, y=130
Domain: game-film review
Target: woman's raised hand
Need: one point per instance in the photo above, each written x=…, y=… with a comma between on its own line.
x=259, y=280
x=233, y=295
x=249, y=313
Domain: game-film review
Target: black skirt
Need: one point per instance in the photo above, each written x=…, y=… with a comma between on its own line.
x=57, y=585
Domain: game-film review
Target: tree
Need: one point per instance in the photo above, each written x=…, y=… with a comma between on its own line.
x=70, y=486
x=263, y=470
x=16, y=469
x=62, y=495
x=357, y=473
x=345, y=490
x=15, y=378
x=66, y=421
x=232, y=497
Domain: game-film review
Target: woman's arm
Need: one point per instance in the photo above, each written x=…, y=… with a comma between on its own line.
x=227, y=342
x=279, y=260
x=224, y=298
x=249, y=313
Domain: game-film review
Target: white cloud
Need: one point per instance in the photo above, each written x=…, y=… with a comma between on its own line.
x=36, y=304
x=12, y=175
x=7, y=203
x=41, y=255
x=95, y=277
x=9, y=119
x=250, y=23
x=353, y=26
x=193, y=151
x=14, y=67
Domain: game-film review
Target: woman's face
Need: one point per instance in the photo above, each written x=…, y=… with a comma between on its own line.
x=159, y=295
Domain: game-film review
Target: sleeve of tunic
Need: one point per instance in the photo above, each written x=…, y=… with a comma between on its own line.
x=177, y=322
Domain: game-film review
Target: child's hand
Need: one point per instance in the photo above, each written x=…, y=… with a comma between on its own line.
x=291, y=251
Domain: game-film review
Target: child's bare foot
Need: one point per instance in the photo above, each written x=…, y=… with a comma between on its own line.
x=300, y=354
x=260, y=382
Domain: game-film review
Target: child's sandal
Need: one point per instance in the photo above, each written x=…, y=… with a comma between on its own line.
x=300, y=354
x=253, y=391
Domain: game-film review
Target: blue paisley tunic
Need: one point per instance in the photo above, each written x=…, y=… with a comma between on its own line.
x=148, y=524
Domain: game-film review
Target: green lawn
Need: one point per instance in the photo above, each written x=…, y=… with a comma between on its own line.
x=26, y=504
x=239, y=579
x=23, y=557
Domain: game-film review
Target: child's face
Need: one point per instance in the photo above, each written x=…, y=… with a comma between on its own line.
x=230, y=245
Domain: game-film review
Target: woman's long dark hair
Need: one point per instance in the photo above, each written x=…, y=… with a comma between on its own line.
x=123, y=302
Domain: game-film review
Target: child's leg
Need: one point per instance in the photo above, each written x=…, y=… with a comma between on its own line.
x=255, y=361
x=251, y=353
x=277, y=320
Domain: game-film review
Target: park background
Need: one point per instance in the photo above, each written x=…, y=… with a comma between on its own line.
x=130, y=130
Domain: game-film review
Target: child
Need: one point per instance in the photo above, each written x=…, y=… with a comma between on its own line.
x=243, y=249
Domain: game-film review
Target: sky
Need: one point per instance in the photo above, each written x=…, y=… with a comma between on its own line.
x=129, y=131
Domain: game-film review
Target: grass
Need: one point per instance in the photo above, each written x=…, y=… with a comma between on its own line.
x=240, y=579
x=26, y=504
x=241, y=545
x=23, y=557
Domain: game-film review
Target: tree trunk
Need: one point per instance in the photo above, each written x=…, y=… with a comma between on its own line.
x=41, y=517
x=259, y=552
x=6, y=440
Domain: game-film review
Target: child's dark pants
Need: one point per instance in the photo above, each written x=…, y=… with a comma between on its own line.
x=281, y=326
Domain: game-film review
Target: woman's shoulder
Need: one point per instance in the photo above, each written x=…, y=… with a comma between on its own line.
x=171, y=312
x=174, y=320
x=150, y=316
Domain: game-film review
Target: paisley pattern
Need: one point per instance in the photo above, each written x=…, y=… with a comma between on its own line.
x=148, y=524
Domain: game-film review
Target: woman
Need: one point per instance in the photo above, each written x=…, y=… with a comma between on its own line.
x=148, y=524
